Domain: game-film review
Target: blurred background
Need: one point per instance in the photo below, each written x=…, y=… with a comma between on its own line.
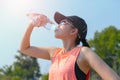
x=102, y=17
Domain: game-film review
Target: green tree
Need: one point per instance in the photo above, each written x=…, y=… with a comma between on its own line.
x=45, y=77
x=29, y=66
x=24, y=68
x=6, y=73
x=107, y=45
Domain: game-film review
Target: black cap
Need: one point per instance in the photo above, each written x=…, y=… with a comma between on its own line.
x=77, y=22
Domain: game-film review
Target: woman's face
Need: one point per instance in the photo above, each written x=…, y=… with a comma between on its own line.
x=64, y=29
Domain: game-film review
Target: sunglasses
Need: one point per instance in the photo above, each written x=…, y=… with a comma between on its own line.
x=65, y=22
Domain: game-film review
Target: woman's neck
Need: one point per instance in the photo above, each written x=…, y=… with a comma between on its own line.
x=68, y=45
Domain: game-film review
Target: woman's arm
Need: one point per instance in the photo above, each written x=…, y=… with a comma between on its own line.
x=37, y=52
x=99, y=65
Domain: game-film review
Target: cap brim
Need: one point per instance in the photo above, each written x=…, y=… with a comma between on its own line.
x=58, y=17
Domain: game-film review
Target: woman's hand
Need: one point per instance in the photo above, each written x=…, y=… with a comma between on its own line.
x=39, y=19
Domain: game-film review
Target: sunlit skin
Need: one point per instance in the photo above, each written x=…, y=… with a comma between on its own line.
x=87, y=58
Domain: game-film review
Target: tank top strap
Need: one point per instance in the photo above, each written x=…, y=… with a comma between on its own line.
x=57, y=52
x=77, y=51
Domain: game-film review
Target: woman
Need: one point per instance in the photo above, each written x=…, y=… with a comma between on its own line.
x=71, y=62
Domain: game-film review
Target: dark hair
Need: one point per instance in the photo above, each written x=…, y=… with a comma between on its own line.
x=84, y=42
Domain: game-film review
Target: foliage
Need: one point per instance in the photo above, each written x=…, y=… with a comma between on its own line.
x=107, y=45
x=24, y=68
x=45, y=77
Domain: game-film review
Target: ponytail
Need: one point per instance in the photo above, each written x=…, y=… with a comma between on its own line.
x=85, y=43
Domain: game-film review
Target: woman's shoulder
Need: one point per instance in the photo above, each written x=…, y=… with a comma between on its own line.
x=89, y=55
x=54, y=51
x=85, y=50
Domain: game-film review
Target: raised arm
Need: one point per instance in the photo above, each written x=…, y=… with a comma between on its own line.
x=33, y=51
x=99, y=65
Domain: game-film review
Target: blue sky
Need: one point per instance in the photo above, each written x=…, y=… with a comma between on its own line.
x=98, y=14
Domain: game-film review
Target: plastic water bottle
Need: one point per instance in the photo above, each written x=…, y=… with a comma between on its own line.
x=49, y=24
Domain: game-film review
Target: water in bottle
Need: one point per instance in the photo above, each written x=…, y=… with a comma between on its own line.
x=49, y=25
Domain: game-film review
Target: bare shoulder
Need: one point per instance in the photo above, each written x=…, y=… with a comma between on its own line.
x=52, y=50
x=90, y=56
x=86, y=50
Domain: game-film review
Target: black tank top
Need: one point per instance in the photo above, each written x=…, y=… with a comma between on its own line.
x=80, y=75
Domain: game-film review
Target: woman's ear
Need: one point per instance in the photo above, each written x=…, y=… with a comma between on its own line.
x=74, y=31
